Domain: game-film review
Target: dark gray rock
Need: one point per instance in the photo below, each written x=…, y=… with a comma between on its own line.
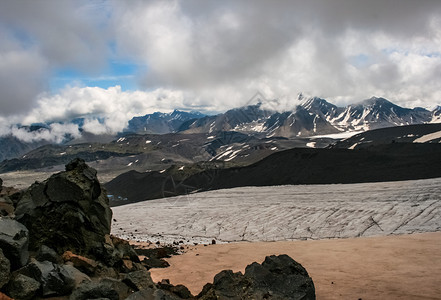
x=116, y=250
x=165, y=295
x=226, y=285
x=145, y=294
x=22, y=287
x=153, y=294
x=73, y=275
x=47, y=254
x=107, y=288
x=68, y=211
x=14, y=242
x=5, y=269
x=281, y=275
x=179, y=290
x=94, y=290
x=139, y=280
x=154, y=262
x=278, y=277
x=55, y=280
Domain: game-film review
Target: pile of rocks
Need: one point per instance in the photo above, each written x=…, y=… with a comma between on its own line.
x=55, y=242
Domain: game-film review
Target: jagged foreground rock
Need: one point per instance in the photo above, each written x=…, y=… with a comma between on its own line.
x=73, y=203
x=57, y=243
x=278, y=277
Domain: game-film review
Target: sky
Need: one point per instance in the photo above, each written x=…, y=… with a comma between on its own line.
x=112, y=60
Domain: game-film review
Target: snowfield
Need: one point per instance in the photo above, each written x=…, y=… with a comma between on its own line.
x=285, y=213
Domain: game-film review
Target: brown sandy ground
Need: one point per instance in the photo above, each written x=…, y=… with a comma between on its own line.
x=389, y=267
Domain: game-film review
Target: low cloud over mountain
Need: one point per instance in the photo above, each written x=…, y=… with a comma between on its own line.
x=309, y=116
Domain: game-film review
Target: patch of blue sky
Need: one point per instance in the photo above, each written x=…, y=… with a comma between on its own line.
x=423, y=52
x=120, y=73
x=433, y=54
x=360, y=60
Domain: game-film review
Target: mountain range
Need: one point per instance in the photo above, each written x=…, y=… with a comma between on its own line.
x=238, y=137
x=161, y=123
x=313, y=116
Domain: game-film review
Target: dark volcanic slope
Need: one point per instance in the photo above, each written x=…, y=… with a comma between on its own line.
x=321, y=166
x=390, y=162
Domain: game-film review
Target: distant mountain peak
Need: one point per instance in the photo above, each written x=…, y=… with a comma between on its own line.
x=160, y=123
x=375, y=101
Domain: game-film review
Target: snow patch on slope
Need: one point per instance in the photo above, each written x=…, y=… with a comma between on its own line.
x=428, y=137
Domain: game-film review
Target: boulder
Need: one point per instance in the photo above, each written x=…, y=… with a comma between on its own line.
x=14, y=242
x=5, y=269
x=120, y=254
x=55, y=280
x=179, y=290
x=139, y=280
x=68, y=211
x=22, y=287
x=281, y=275
x=153, y=294
x=48, y=254
x=145, y=294
x=106, y=288
x=74, y=275
x=226, y=285
x=278, y=277
x=154, y=263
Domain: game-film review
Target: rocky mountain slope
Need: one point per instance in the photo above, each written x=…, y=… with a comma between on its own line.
x=427, y=133
x=384, y=162
x=436, y=115
x=312, y=116
x=158, y=152
x=12, y=147
x=160, y=123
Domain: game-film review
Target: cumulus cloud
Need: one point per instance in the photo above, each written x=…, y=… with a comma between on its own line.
x=56, y=133
x=22, y=73
x=67, y=33
x=37, y=37
x=105, y=111
x=341, y=50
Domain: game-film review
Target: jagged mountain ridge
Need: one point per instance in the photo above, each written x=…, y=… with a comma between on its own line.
x=161, y=123
x=249, y=117
x=313, y=116
x=436, y=115
x=379, y=113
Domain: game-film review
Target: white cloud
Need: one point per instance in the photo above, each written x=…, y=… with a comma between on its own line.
x=22, y=73
x=56, y=133
x=37, y=37
x=114, y=106
x=283, y=47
